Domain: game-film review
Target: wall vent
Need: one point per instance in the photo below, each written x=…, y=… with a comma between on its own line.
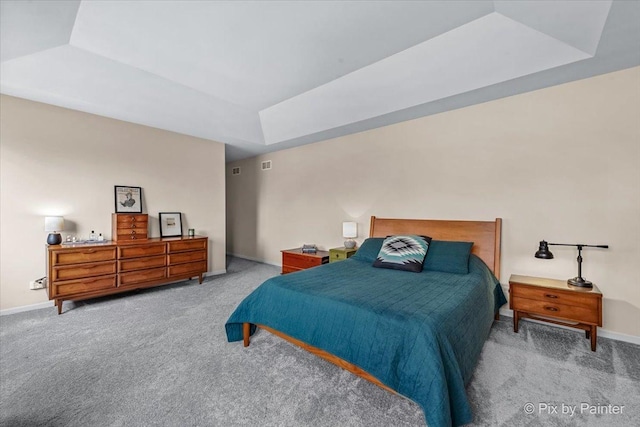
x=266, y=165
x=235, y=171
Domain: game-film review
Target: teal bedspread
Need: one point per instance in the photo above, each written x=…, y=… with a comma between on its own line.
x=419, y=333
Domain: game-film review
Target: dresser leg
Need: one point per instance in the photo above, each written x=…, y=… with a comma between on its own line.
x=587, y=334
x=594, y=337
x=200, y=279
x=516, y=320
x=59, y=305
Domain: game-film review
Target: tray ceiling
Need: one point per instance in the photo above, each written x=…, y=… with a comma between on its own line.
x=262, y=76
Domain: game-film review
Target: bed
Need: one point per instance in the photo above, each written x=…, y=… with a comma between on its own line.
x=416, y=334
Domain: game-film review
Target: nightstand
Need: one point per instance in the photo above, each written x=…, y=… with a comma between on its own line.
x=555, y=301
x=340, y=254
x=295, y=260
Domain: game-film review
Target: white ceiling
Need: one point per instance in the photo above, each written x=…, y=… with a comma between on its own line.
x=262, y=76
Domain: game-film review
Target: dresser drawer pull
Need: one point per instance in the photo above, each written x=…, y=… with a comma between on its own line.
x=133, y=231
x=551, y=308
x=550, y=296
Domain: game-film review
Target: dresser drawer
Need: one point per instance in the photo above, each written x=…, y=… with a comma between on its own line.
x=141, y=263
x=79, y=271
x=301, y=261
x=562, y=311
x=128, y=234
x=181, y=257
x=126, y=220
x=187, y=245
x=194, y=268
x=136, y=251
x=75, y=287
x=554, y=296
x=142, y=276
x=78, y=256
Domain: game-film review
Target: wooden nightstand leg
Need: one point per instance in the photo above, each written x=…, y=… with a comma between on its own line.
x=59, y=304
x=200, y=279
x=246, y=334
x=516, y=320
x=594, y=337
x=587, y=334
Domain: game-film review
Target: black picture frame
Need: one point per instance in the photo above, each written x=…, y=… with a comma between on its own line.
x=170, y=224
x=127, y=199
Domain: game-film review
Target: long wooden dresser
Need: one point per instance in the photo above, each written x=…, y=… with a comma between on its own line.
x=84, y=271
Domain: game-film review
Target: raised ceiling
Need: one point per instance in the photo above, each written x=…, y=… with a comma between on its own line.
x=263, y=76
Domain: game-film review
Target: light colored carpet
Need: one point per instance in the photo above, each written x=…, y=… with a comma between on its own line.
x=160, y=357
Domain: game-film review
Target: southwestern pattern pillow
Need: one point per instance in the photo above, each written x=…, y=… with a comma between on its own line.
x=403, y=253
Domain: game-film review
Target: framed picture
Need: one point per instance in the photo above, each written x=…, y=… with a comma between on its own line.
x=170, y=224
x=128, y=199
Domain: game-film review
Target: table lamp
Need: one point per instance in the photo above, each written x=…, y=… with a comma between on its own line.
x=349, y=232
x=54, y=224
x=544, y=253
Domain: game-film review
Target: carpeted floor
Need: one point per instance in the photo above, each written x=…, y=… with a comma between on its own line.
x=160, y=357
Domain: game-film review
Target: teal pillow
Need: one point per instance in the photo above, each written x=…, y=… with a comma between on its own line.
x=405, y=253
x=369, y=249
x=448, y=257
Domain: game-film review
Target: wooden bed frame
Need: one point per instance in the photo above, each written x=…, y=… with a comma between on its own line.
x=485, y=235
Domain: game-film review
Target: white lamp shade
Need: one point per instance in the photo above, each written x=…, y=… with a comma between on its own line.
x=53, y=223
x=349, y=230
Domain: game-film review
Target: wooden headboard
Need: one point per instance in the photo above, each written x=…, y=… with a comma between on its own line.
x=485, y=235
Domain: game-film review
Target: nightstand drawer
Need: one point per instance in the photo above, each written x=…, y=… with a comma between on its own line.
x=562, y=311
x=300, y=261
x=340, y=254
x=555, y=296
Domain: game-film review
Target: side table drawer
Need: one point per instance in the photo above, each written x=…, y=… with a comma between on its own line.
x=300, y=261
x=554, y=296
x=562, y=311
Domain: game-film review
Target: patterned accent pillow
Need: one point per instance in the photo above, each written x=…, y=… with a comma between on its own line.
x=403, y=253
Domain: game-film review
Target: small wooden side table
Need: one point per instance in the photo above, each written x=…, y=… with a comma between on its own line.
x=296, y=260
x=555, y=301
x=340, y=254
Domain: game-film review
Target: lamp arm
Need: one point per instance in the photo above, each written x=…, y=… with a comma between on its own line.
x=580, y=245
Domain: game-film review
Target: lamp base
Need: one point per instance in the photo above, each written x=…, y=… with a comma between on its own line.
x=579, y=281
x=54, y=239
x=349, y=244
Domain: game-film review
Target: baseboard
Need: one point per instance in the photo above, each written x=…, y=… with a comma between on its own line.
x=601, y=332
x=38, y=306
x=215, y=272
x=248, y=258
x=48, y=304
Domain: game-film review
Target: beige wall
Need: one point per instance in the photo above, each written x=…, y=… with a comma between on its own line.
x=561, y=164
x=56, y=161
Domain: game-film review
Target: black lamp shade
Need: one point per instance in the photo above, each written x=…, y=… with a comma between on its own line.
x=543, y=251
